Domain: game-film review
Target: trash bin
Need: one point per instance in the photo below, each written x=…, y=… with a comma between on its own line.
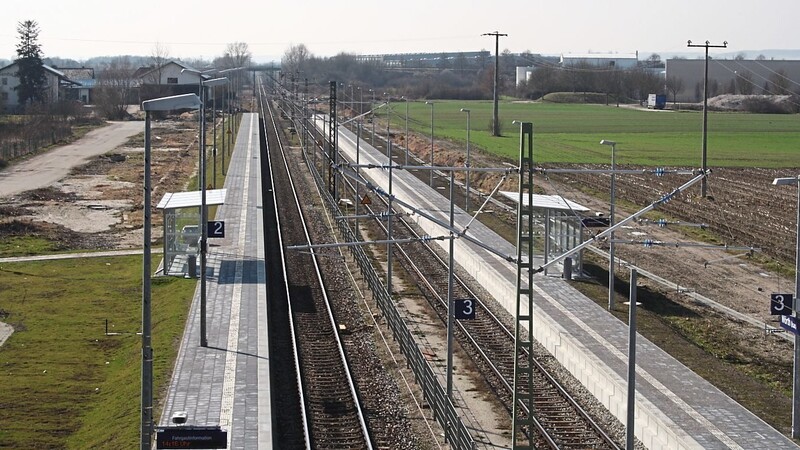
x=193, y=266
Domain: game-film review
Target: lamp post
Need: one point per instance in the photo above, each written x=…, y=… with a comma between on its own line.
x=352, y=98
x=203, y=204
x=159, y=104
x=214, y=119
x=796, y=371
x=226, y=133
x=431, y=105
x=372, y=116
x=388, y=122
x=466, y=197
x=407, y=143
x=611, y=223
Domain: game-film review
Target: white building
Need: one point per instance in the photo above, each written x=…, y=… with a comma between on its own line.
x=55, y=84
x=596, y=60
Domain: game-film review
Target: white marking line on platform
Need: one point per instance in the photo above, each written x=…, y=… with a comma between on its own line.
x=229, y=381
x=687, y=408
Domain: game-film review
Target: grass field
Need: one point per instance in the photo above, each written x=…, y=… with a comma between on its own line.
x=65, y=384
x=571, y=133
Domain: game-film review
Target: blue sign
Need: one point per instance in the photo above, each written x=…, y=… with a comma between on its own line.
x=789, y=323
x=464, y=308
x=780, y=304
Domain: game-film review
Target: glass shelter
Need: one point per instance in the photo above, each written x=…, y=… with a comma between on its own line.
x=181, y=213
x=559, y=226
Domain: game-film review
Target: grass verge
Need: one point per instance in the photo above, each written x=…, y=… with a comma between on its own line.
x=707, y=343
x=65, y=383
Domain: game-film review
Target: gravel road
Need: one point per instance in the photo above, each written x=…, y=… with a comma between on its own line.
x=45, y=169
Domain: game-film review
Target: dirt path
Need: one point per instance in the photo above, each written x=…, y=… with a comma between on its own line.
x=47, y=168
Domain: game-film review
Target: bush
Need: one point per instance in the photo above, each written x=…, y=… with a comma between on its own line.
x=762, y=105
x=575, y=97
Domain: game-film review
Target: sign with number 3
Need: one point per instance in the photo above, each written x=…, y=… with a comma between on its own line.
x=780, y=304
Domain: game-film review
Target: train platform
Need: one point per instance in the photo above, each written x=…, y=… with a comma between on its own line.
x=227, y=383
x=675, y=408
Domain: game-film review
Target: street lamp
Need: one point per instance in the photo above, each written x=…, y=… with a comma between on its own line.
x=466, y=197
x=352, y=99
x=214, y=121
x=796, y=372
x=203, y=207
x=407, y=143
x=185, y=101
x=230, y=118
x=611, y=223
x=431, y=105
x=372, y=116
x=388, y=120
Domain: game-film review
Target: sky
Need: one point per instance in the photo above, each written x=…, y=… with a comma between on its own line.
x=203, y=28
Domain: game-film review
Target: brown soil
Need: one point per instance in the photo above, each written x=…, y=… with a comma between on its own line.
x=98, y=206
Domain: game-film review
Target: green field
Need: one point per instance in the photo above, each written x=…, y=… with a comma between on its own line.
x=571, y=133
x=65, y=384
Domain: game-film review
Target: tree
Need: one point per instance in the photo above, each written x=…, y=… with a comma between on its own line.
x=32, y=81
x=238, y=53
x=780, y=83
x=115, y=88
x=654, y=61
x=158, y=58
x=674, y=85
x=295, y=58
x=744, y=82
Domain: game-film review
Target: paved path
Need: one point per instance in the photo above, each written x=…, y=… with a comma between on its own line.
x=47, y=168
x=228, y=382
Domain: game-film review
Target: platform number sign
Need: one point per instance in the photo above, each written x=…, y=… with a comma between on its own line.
x=464, y=308
x=780, y=304
x=216, y=229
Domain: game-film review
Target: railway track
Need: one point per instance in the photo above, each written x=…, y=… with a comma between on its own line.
x=323, y=398
x=561, y=422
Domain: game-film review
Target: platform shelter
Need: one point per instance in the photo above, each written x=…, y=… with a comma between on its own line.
x=181, y=212
x=560, y=221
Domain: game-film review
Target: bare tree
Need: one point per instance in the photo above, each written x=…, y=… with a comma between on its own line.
x=780, y=83
x=158, y=58
x=654, y=61
x=744, y=82
x=238, y=53
x=115, y=88
x=674, y=85
x=295, y=58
